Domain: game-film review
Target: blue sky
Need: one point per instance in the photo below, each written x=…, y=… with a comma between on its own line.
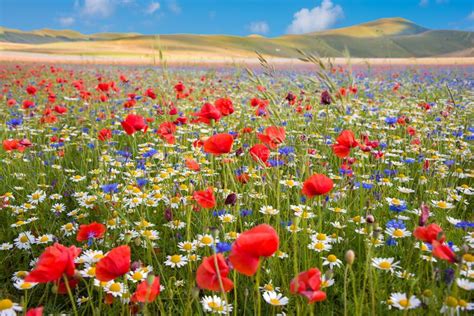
x=270, y=18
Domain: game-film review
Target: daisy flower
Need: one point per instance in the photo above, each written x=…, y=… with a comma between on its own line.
x=214, y=304
x=9, y=308
x=206, y=240
x=116, y=289
x=465, y=284
x=274, y=298
x=176, y=261
x=386, y=264
x=25, y=240
x=401, y=301
x=269, y=210
x=442, y=204
x=397, y=232
x=332, y=261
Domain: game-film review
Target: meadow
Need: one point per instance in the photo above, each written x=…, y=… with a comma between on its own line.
x=331, y=190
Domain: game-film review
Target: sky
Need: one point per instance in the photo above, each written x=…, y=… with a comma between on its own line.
x=233, y=17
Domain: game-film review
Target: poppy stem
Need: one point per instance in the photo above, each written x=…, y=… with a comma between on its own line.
x=221, y=285
x=69, y=292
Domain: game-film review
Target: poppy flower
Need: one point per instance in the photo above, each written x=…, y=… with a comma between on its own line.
x=53, y=263
x=13, y=144
x=260, y=152
x=443, y=252
x=146, y=292
x=308, y=284
x=208, y=273
x=344, y=142
x=205, y=198
x=430, y=233
x=116, y=263
x=166, y=131
x=325, y=98
x=37, y=311
x=273, y=136
x=219, y=144
x=317, y=184
x=149, y=93
x=27, y=104
x=60, y=109
x=92, y=231
x=31, y=90
x=207, y=113
x=260, y=241
x=224, y=105
x=104, y=134
x=192, y=164
x=134, y=123
x=103, y=86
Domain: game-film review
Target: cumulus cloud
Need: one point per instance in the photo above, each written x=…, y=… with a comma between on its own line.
x=318, y=18
x=153, y=7
x=66, y=21
x=423, y=3
x=174, y=7
x=99, y=8
x=259, y=27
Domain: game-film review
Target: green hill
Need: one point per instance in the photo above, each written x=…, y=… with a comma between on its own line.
x=390, y=37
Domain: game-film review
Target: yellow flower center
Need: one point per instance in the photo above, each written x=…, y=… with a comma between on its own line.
x=385, y=265
x=404, y=303
x=268, y=287
x=91, y=271
x=69, y=226
x=442, y=204
x=5, y=304
x=115, y=287
x=44, y=239
x=462, y=303
x=468, y=257
x=25, y=285
x=275, y=301
x=175, y=258
x=319, y=246
x=187, y=247
x=398, y=232
x=321, y=236
x=215, y=306
x=332, y=258
x=24, y=239
x=451, y=301
x=137, y=276
x=395, y=201
x=206, y=240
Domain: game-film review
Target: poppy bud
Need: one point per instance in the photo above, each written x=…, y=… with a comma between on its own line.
x=370, y=219
x=168, y=214
x=425, y=213
x=239, y=152
x=350, y=257
x=231, y=199
x=150, y=279
x=136, y=265
x=325, y=98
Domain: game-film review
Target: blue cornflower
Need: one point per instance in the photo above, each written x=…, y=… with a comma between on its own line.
x=110, y=188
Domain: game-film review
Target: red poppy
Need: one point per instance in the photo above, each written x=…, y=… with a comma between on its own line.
x=13, y=144
x=192, y=164
x=31, y=90
x=166, y=131
x=146, y=292
x=260, y=152
x=104, y=134
x=317, y=184
x=53, y=263
x=38, y=311
x=345, y=141
x=273, y=136
x=103, y=86
x=219, y=144
x=430, y=233
x=134, y=123
x=207, y=276
x=207, y=113
x=224, y=105
x=27, y=104
x=116, y=263
x=205, y=198
x=308, y=284
x=443, y=252
x=60, y=109
x=92, y=231
x=260, y=241
x=149, y=93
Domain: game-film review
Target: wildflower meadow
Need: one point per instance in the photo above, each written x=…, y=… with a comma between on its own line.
x=325, y=190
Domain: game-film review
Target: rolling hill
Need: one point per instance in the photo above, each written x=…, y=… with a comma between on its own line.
x=390, y=37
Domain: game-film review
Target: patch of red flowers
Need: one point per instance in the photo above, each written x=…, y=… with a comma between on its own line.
x=344, y=142
x=317, y=184
x=211, y=269
x=91, y=231
x=308, y=284
x=116, y=263
x=205, y=198
x=219, y=144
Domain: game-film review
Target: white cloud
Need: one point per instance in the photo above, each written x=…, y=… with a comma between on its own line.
x=423, y=3
x=259, y=27
x=316, y=19
x=100, y=8
x=174, y=7
x=152, y=8
x=470, y=17
x=66, y=21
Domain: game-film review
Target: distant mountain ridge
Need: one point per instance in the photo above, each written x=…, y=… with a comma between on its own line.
x=388, y=37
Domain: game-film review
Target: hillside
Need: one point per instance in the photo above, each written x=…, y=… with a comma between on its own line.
x=391, y=37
